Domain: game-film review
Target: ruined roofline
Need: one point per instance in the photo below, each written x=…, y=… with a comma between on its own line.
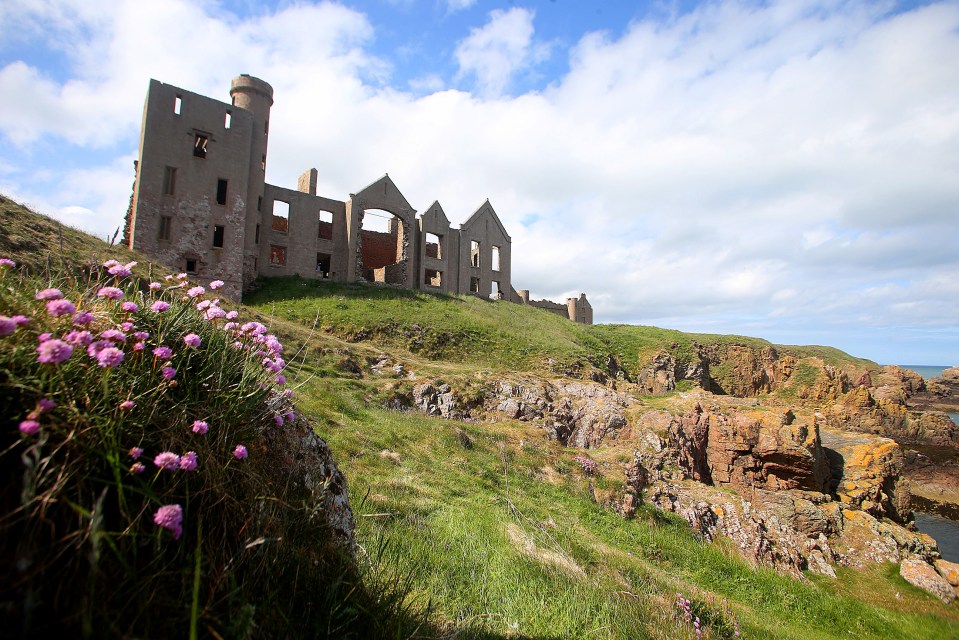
x=492, y=212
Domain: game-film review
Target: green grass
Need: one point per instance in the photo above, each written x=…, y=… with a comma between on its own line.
x=575, y=569
x=466, y=530
x=481, y=333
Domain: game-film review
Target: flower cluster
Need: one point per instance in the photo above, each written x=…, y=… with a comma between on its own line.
x=588, y=465
x=104, y=331
x=689, y=614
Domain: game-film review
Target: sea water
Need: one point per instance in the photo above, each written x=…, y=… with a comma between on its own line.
x=927, y=372
x=944, y=530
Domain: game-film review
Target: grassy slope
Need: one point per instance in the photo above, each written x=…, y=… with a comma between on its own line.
x=496, y=527
x=498, y=335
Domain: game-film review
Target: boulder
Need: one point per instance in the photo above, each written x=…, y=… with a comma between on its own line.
x=920, y=573
x=866, y=473
x=948, y=570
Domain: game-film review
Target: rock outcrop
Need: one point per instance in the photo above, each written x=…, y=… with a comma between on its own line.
x=867, y=473
x=763, y=450
x=920, y=573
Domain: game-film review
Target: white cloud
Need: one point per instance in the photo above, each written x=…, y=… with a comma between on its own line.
x=787, y=168
x=497, y=51
x=459, y=5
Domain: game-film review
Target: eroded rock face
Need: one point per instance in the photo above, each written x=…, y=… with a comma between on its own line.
x=920, y=573
x=866, y=472
x=658, y=377
x=314, y=474
x=436, y=401
x=580, y=414
x=750, y=451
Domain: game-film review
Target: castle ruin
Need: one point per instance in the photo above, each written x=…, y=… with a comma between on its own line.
x=201, y=205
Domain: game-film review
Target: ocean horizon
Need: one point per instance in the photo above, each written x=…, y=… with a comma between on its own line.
x=926, y=371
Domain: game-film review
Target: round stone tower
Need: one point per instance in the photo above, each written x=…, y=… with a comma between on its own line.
x=256, y=96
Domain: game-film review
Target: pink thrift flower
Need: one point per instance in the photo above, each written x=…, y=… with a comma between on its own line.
x=110, y=293
x=155, y=286
x=7, y=263
x=196, y=292
x=45, y=404
x=110, y=263
x=215, y=313
x=137, y=468
x=288, y=393
x=168, y=373
x=110, y=357
x=281, y=379
x=181, y=276
x=49, y=294
x=163, y=353
x=170, y=517
x=54, y=352
x=191, y=340
x=61, y=307
x=216, y=284
x=119, y=271
x=203, y=304
x=240, y=453
x=136, y=452
x=290, y=416
x=114, y=335
x=43, y=337
x=232, y=315
x=141, y=335
x=167, y=460
x=200, y=426
x=127, y=405
x=159, y=306
x=168, y=277
x=188, y=461
x=21, y=320
x=278, y=419
x=7, y=326
x=29, y=427
x=83, y=318
x=130, y=307
x=94, y=349
x=139, y=346
x=127, y=326
x=79, y=338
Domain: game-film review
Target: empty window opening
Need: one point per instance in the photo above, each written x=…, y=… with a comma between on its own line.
x=256, y=235
x=266, y=126
x=434, y=278
x=221, y=191
x=474, y=253
x=218, y=236
x=199, y=145
x=323, y=261
x=190, y=265
x=263, y=162
x=177, y=104
x=281, y=216
x=169, y=181
x=166, y=224
x=227, y=120
x=494, y=259
x=434, y=246
x=474, y=285
x=259, y=203
x=383, y=248
x=495, y=292
x=325, y=230
x=254, y=264
x=277, y=256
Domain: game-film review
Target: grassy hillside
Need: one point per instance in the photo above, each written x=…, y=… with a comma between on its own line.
x=464, y=529
x=494, y=334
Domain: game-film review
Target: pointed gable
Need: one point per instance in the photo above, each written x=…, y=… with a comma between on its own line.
x=434, y=217
x=485, y=212
x=383, y=194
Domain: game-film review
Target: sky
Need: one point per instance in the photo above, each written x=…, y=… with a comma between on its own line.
x=779, y=169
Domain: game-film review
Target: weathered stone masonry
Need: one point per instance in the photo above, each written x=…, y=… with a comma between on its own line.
x=201, y=205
